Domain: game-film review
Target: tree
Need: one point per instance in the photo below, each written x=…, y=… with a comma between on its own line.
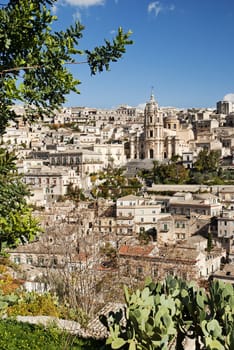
x=207, y=161
x=173, y=172
x=33, y=59
x=16, y=221
x=33, y=70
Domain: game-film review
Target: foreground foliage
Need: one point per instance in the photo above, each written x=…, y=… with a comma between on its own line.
x=17, y=225
x=34, y=59
x=165, y=313
x=34, y=63
x=15, y=335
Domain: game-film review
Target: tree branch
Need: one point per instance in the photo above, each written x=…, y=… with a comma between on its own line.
x=5, y=71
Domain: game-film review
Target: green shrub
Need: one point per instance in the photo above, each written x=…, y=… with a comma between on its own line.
x=23, y=336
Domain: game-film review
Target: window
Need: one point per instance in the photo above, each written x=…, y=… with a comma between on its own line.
x=151, y=133
x=41, y=261
x=17, y=259
x=139, y=270
x=29, y=260
x=54, y=261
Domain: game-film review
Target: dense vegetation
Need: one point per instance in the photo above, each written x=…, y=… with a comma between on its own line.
x=166, y=313
x=155, y=317
x=34, y=59
x=17, y=225
x=114, y=184
x=207, y=170
x=23, y=336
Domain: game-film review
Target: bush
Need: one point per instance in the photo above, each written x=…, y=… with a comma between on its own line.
x=23, y=336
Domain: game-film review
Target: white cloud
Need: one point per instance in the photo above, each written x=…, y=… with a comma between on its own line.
x=157, y=7
x=77, y=16
x=85, y=3
x=229, y=97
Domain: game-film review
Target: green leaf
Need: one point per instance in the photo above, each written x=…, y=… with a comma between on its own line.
x=132, y=345
x=118, y=343
x=213, y=344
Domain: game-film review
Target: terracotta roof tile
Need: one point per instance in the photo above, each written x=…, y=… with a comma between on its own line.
x=136, y=250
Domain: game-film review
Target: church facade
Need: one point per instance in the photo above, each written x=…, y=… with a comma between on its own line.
x=162, y=136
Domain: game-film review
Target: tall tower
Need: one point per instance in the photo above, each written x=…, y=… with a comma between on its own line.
x=153, y=131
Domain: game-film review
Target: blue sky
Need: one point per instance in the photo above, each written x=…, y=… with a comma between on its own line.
x=183, y=48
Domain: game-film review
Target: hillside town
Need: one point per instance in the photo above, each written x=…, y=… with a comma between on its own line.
x=103, y=223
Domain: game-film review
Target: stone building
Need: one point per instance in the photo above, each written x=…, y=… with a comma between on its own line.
x=200, y=204
x=188, y=260
x=225, y=232
x=162, y=137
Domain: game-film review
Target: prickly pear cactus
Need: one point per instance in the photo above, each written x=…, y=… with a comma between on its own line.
x=167, y=313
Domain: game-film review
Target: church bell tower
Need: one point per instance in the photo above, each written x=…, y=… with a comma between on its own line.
x=153, y=131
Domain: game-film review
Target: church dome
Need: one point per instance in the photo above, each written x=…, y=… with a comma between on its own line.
x=151, y=105
x=171, y=122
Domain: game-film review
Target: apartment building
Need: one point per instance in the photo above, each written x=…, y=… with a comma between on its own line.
x=201, y=204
